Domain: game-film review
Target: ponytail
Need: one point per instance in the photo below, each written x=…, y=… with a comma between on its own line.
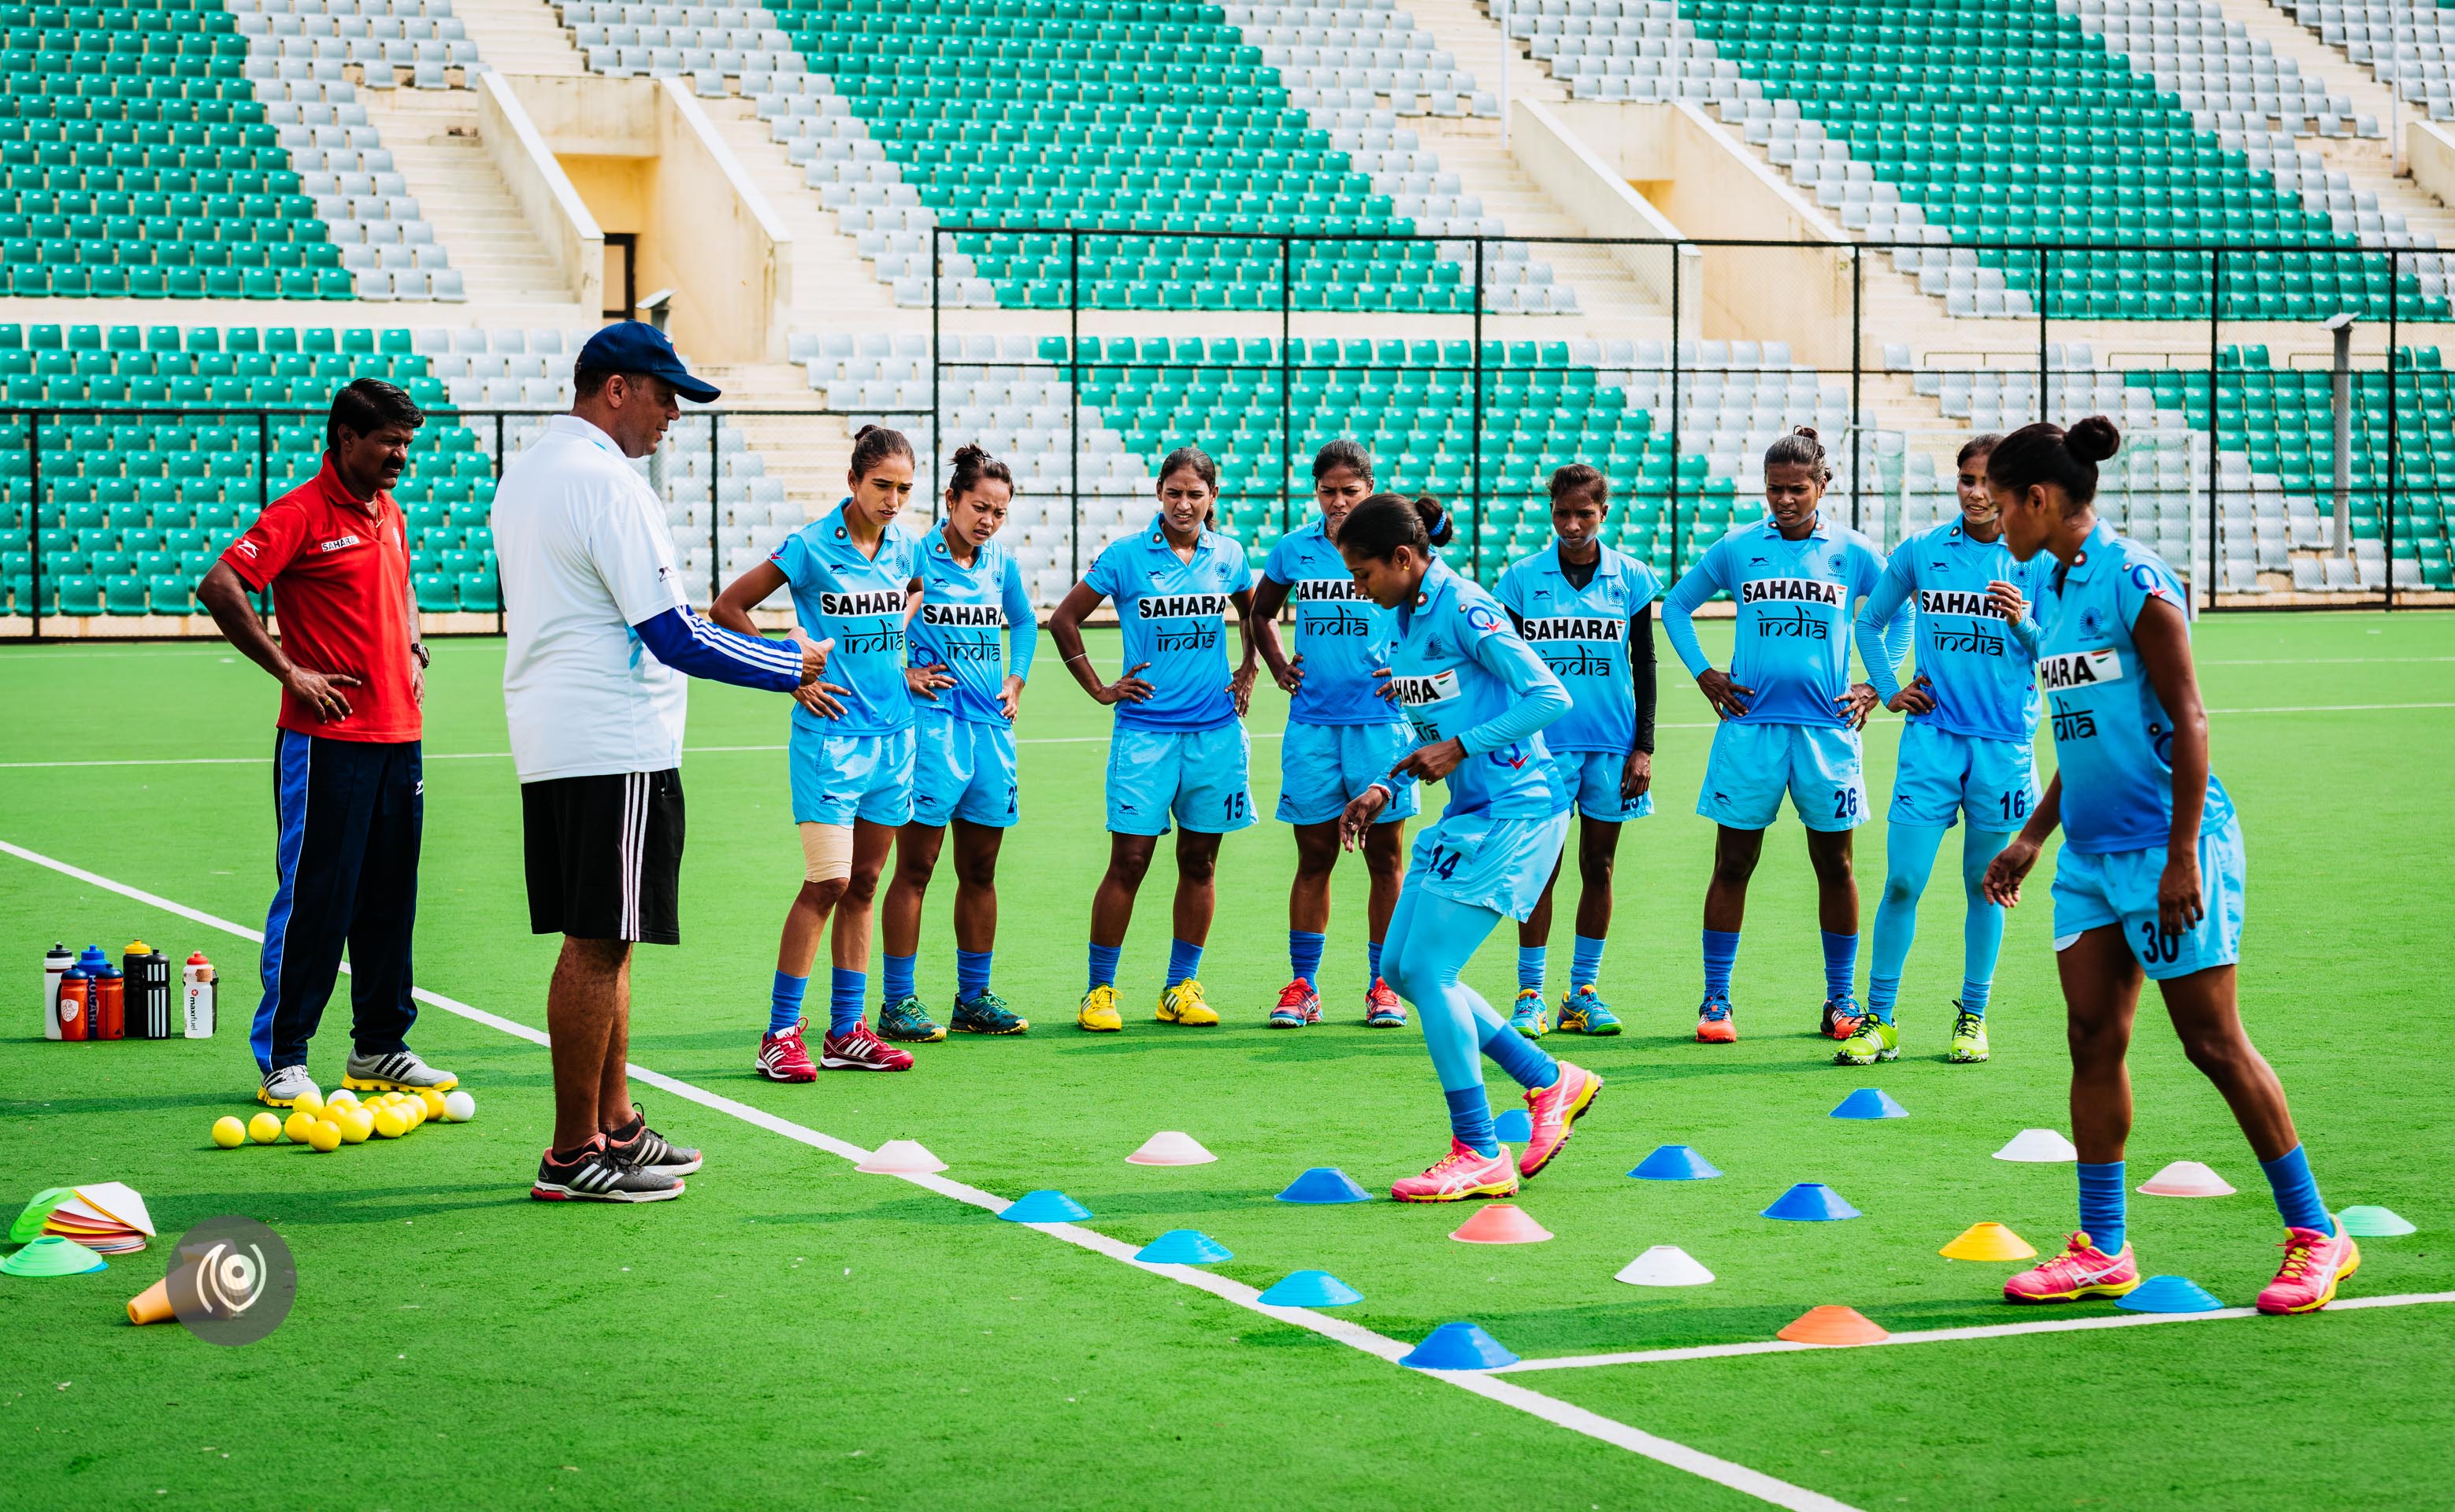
x=1381, y=524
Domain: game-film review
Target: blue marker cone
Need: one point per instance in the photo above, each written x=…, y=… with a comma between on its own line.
x=1311, y=1289
x=1458, y=1346
x=1674, y=1162
x=1043, y=1206
x=1811, y=1203
x=1512, y=1123
x=2168, y=1294
x=1184, y=1246
x=1325, y=1183
x=1870, y=1102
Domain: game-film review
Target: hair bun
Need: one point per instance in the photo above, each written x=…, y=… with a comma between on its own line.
x=1807, y=431
x=1436, y=520
x=863, y=431
x=969, y=451
x=2092, y=440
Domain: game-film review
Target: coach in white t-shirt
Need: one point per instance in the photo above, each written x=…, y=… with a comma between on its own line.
x=601, y=635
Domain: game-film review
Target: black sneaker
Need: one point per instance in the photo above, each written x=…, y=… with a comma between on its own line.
x=595, y=1176
x=640, y=1145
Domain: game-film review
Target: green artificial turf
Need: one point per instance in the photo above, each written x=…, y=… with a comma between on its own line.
x=792, y=1332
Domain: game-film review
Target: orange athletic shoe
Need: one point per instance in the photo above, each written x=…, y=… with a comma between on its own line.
x=1554, y=1111
x=1715, y=1026
x=1461, y=1173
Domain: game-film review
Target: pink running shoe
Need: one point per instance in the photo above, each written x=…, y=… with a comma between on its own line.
x=1298, y=1005
x=1556, y=1110
x=1458, y=1175
x=1382, y=1009
x=2081, y=1270
x=783, y=1057
x=857, y=1049
x=2313, y=1265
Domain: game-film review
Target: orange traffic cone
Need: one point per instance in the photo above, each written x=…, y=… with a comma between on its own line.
x=1501, y=1223
x=153, y=1304
x=1832, y=1324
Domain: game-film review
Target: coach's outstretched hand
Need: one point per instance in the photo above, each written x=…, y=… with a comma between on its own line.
x=814, y=654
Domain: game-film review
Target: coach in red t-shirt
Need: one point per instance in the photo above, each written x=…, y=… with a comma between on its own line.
x=349, y=791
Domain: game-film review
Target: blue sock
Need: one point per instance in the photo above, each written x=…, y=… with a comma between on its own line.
x=971, y=974
x=1304, y=954
x=1529, y=967
x=1184, y=960
x=1470, y=1119
x=1104, y=964
x=1522, y=1059
x=850, y=989
x=1372, y=963
x=899, y=978
x=1721, y=953
x=1840, y=965
x=784, y=1008
x=1585, y=964
x=2297, y=1194
x=1974, y=995
x=1883, y=992
x=2100, y=1205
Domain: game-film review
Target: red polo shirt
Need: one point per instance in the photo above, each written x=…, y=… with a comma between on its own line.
x=339, y=572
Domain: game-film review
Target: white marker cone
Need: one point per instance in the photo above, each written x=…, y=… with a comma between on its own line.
x=1664, y=1265
x=901, y=1158
x=2186, y=1178
x=2040, y=1146
x=118, y=1202
x=1171, y=1148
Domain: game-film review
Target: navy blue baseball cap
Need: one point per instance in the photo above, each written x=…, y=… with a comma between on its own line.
x=635, y=346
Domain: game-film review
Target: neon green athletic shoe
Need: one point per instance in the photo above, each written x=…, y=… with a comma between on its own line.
x=1968, y=1039
x=1872, y=1042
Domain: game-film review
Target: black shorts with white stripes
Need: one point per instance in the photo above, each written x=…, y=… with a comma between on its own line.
x=604, y=855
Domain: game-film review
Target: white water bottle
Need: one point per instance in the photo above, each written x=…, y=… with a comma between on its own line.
x=56, y=964
x=196, y=997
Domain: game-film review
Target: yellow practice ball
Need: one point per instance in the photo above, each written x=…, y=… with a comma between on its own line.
x=431, y=1102
x=296, y=1125
x=417, y=1110
x=229, y=1133
x=324, y=1138
x=391, y=1124
x=310, y=1099
x=264, y=1128
x=361, y=1125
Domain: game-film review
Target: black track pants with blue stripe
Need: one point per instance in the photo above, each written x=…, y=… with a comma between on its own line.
x=350, y=814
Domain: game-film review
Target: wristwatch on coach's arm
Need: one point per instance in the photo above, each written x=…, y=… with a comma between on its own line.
x=425, y=657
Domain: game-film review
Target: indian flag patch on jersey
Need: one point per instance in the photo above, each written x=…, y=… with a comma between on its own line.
x=1417, y=691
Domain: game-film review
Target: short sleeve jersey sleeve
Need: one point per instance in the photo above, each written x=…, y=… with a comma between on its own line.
x=259, y=555
x=635, y=556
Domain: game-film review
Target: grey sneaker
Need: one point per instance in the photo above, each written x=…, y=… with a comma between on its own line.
x=284, y=1085
x=398, y=1071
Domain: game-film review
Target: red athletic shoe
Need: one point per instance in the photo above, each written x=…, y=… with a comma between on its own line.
x=2081, y=1270
x=2313, y=1265
x=783, y=1057
x=857, y=1049
x=1382, y=1009
x=1460, y=1174
x=1299, y=1005
x=1556, y=1110
x=1715, y=1026
x=1841, y=1018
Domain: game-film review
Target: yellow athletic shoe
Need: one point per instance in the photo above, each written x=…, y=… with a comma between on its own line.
x=1099, y=1011
x=1183, y=1004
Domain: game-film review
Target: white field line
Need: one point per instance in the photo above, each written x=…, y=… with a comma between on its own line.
x=1938, y=1336
x=1062, y=739
x=1576, y=1419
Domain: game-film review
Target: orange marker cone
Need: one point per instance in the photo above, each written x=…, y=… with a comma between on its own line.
x=153, y=1304
x=1987, y=1242
x=1832, y=1324
x=1501, y=1223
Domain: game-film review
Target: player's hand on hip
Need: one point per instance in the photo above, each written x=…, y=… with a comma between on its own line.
x=1385, y=690
x=2180, y=907
x=1635, y=776
x=1730, y=699
x=1010, y=696
x=820, y=698
x=1290, y=677
x=925, y=681
x=1431, y=763
x=1129, y=688
x=2003, y=873
x=321, y=690
x=1858, y=703
x=1918, y=698
x=1362, y=811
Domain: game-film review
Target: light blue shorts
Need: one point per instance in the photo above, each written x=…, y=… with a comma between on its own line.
x=1753, y=764
x=1941, y=775
x=1483, y=862
x=838, y=779
x=2120, y=888
x=1591, y=778
x=961, y=769
x=1322, y=767
x=1200, y=776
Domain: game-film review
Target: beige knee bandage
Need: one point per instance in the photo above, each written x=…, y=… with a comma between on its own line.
x=826, y=852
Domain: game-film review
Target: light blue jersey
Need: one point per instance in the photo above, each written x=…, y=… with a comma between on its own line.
x=1792, y=646
x=963, y=610
x=1582, y=635
x=1343, y=637
x=1976, y=663
x=1174, y=614
x=1459, y=671
x=861, y=601
x=2113, y=741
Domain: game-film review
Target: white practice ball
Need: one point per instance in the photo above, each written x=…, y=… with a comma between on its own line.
x=459, y=1107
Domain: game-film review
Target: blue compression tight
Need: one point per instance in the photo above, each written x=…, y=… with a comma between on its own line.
x=1908, y=858
x=1429, y=944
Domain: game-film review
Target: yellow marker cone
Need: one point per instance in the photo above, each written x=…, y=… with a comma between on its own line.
x=1987, y=1242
